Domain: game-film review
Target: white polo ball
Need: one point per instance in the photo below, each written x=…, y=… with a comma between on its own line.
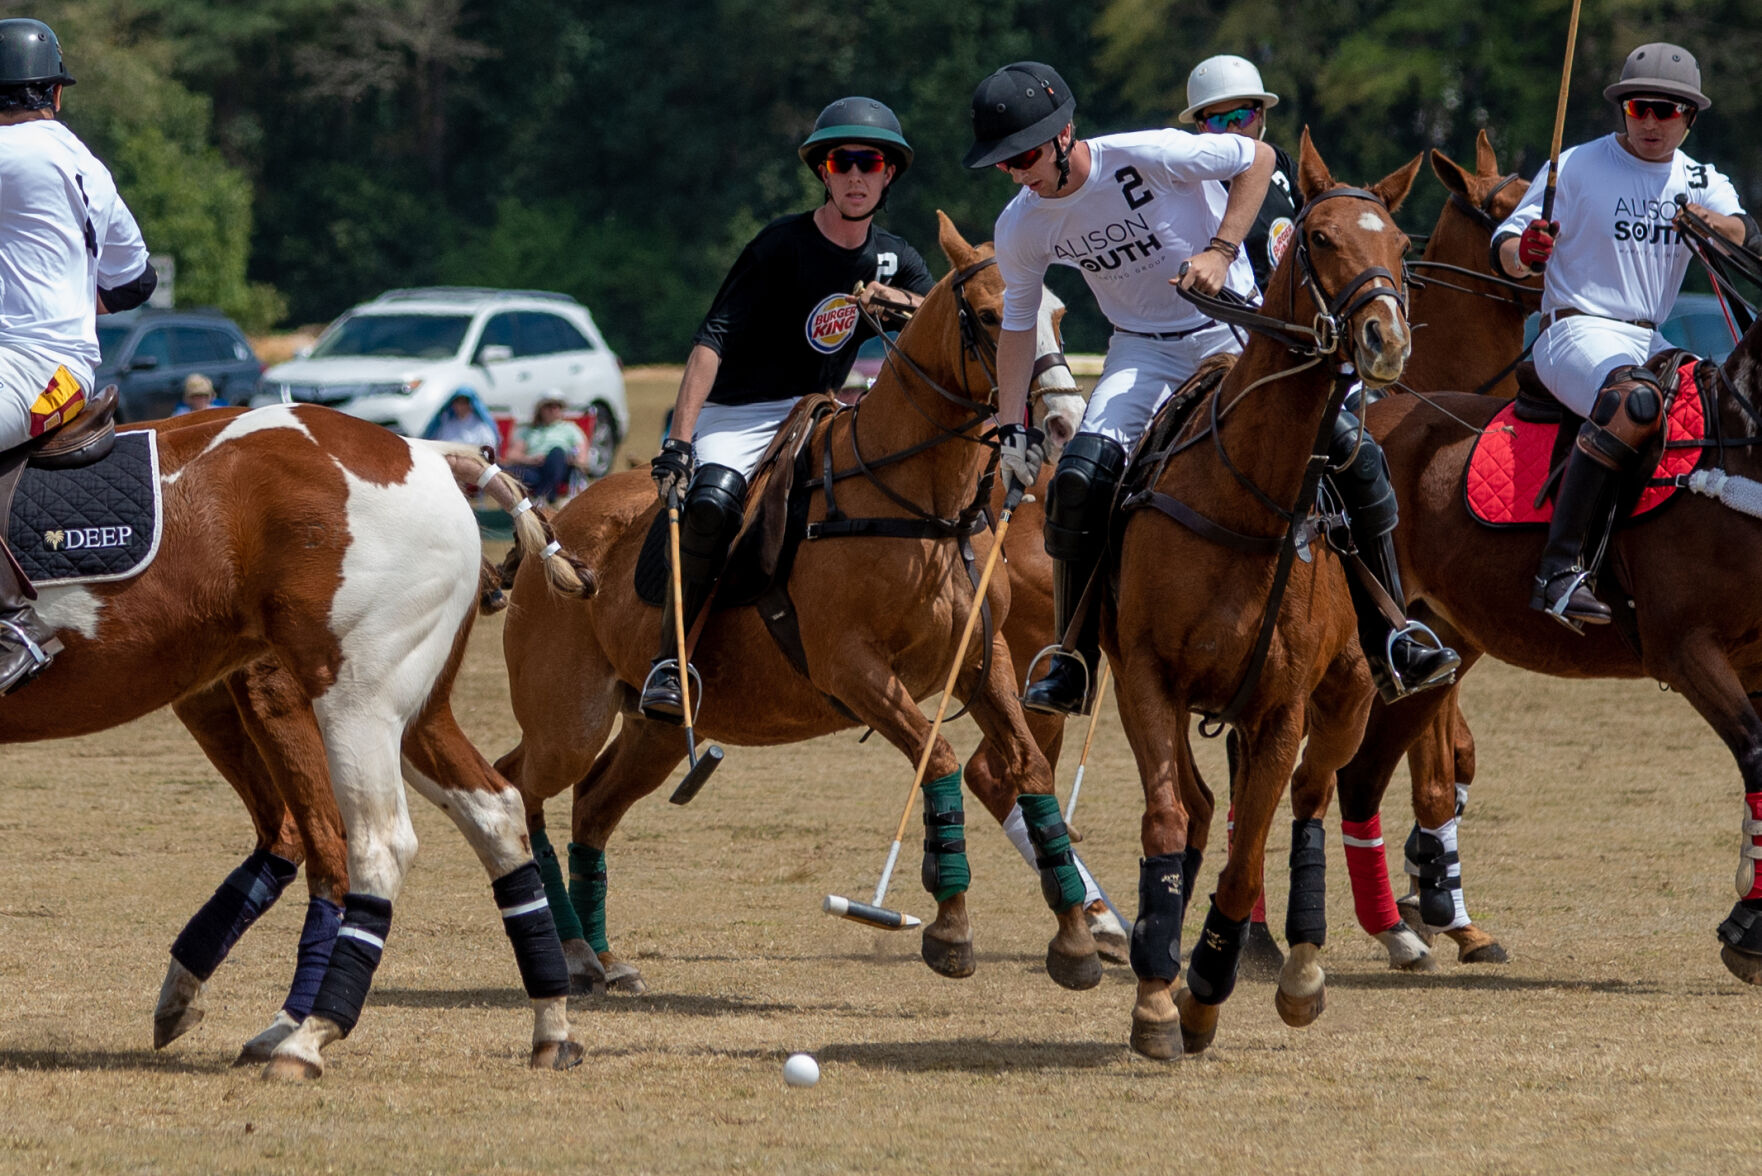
x=801, y=1070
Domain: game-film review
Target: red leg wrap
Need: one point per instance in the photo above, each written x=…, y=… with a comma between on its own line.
x=1372, y=899
x=1258, y=915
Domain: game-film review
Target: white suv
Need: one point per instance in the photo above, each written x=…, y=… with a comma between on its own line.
x=399, y=360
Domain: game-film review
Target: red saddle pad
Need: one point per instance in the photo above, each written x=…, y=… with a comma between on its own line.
x=1510, y=461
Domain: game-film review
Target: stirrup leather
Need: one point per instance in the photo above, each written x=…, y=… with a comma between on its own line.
x=1053, y=654
x=1419, y=633
x=697, y=683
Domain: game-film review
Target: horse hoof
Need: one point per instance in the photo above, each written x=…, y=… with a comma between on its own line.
x=557, y=1055
x=291, y=1068
x=1486, y=953
x=1408, y=905
x=1407, y=950
x=622, y=976
x=168, y=1029
x=1742, y=964
x=1303, y=987
x=1261, y=957
x=1300, y=1012
x=1198, y=1022
x=951, y=959
x=1112, y=941
x=1161, y=1040
x=259, y=1049
x=1073, y=971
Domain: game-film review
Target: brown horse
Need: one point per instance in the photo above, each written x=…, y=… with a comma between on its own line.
x=1691, y=584
x=348, y=559
x=1191, y=628
x=878, y=619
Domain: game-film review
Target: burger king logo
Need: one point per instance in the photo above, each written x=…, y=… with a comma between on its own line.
x=831, y=323
x=1278, y=239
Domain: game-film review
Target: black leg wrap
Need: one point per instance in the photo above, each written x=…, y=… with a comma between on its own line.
x=366, y=921
x=248, y=891
x=1211, y=973
x=1430, y=866
x=1162, y=907
x=1306, y=915
x=526, y=916
x=1742, y=929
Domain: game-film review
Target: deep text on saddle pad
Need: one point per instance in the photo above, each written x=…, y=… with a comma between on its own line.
x=94, y=523
x=1510, y=462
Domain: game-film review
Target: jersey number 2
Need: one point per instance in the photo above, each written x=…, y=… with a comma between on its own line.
x=1132, y=187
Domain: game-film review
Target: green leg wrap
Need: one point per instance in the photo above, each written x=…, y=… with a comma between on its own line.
x=556, y=894
x=587, y=891
x=1060, y=882
x=946, y=872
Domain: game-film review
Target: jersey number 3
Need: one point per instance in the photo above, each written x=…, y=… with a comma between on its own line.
x=1132, y=187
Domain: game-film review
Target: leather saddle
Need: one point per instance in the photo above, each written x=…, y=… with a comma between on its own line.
x=87, y=438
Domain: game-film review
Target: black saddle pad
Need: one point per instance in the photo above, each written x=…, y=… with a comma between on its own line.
x=97, y=522
x=740, y=584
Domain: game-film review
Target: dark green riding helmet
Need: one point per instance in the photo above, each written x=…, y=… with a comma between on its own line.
x=857, y=120
x=30, y=54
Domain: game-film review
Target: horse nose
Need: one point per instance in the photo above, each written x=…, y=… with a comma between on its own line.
x=1373, y=337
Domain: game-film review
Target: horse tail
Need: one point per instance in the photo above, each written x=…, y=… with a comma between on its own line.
x=565, y=572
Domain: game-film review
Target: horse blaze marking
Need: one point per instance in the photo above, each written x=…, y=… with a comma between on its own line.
x=1370, y=222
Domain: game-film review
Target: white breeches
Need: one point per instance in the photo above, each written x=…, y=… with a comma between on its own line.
x=1575, y=354
x=23, y=378
x=1141, y=373
x=736, y=435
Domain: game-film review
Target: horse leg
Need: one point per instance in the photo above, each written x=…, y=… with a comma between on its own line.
x=985, y=780
x=1071, y=957
x=636, y=763
x=1270, y=746
x=250, y=889
x=1155, y=725
x=1261, y=957
x=1698, y=667
x=441, y=764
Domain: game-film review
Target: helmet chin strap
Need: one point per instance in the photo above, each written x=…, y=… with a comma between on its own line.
x=1062, y=156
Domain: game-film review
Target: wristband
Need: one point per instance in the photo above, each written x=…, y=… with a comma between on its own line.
x=1230, y=249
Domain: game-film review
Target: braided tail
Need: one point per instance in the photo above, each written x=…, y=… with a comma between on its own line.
x=564, y=571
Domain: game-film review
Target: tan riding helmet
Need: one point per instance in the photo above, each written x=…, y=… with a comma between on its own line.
x=1662, y=69
x=1222, y=79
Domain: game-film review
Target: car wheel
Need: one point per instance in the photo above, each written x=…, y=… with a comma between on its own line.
x=602, y=440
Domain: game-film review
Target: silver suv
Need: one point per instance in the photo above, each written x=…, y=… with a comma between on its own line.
x=399, y=360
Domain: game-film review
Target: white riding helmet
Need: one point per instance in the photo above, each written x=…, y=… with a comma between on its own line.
x=1220, y=79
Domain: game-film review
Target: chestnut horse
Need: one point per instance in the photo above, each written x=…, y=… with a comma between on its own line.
x=347, y=558
x=878, y=620
x=1691, y=583
x=1197, y=625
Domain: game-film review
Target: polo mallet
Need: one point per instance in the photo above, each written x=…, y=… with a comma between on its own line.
x=872, y=913
x=1560, y=117
x=698, y=774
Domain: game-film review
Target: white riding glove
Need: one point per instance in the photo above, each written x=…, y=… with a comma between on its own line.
x=1020, y=451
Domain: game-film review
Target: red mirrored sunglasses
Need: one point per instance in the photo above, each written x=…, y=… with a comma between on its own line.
x=1022, y=162
x=867, y=161
x=1662, y=109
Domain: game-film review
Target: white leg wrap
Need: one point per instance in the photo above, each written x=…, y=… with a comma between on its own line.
x=1015, y=827
x=1446, y=833
x=1748, y=855
x=1461, y=800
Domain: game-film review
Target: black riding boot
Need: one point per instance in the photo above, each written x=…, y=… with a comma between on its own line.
x=1078, y=504
x=1402, y=660
x=707, y=527
x=1560, y=588
x=27, y=644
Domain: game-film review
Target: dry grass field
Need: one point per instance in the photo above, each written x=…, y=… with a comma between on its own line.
x=1599, y=842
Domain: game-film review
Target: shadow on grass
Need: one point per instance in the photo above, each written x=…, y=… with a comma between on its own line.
x=616, y=1004
x=1479, y=981
x=966, y=1055
x=143, y=1060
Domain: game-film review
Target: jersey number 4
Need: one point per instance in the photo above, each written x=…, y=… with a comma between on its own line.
x=1132, y=187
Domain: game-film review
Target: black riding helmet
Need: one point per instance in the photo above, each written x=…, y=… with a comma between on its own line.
x=30, y=54
x=857, y=120
x=1020, y=106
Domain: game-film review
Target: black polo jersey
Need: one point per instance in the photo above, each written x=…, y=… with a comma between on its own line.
x=1275, y=222
x=784, y=321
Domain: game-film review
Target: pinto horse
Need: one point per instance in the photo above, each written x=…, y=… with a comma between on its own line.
x=1696, y=626
x=346, y=559
x=1195, y=622
x=878, y=618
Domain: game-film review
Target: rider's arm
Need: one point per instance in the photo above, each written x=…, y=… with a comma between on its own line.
x=130, y=294
x=1015, y=363
x=1732, y=228
x=1023, y=268
x=694, y=388
x=1210, y=268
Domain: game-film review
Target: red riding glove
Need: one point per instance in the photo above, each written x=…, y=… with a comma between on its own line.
x=1536, y=245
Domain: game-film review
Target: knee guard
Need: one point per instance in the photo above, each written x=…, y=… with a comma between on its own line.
x=359, y=944
x=1162, y=907
x=1211, y=976
x=1081, y=494
x=248, y=891
x=587, y=893
x=1628, y=413
x=714, y=507
x=945, y=873
x=1437, y=870
x=1361, y=474
x=526, y=917
x=1060, y=882
x=1306, y=915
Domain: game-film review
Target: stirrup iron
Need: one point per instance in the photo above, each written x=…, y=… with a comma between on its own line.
x=1419, y=633
x=1575, y=578
x=1053, y=653
x=697, y=684
x=39, y=657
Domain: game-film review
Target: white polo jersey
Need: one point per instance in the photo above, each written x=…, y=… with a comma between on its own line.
x=64, y=232
x=1617, y=255
x=1152, y=200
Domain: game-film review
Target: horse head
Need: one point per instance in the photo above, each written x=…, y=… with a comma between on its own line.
x=1479, y=201
x=1347, y=261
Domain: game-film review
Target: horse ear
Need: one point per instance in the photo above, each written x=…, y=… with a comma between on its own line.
x=1449, y=173
x=1313, y=177
x=1486, y=160
x=1392, y=189
x=954, y=246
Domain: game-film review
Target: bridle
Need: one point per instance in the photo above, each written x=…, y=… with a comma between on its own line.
x=1504, y=289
